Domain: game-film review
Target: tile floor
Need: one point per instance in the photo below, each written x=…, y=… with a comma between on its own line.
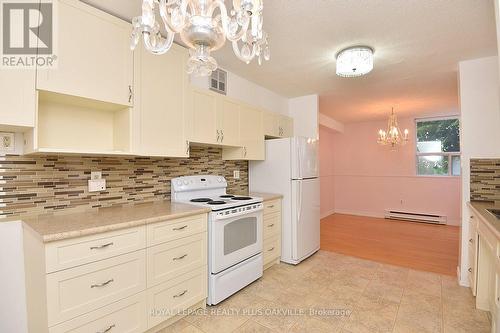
x=360, y=295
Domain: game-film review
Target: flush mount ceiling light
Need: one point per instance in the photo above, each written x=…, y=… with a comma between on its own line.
x=204, y=26
x=355, y=61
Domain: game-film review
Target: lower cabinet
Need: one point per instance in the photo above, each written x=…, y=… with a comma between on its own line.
x=115, y=288
x=484, y=271
x=271, y=248
x=124, y=316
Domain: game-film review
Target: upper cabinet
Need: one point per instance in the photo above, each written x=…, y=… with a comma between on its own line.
x=213, y=118
x=93, y=56
x=18, y=99
x=251, y=136
x=277, y=125
x=202, y=116
x=159, y=108
x=228, y=117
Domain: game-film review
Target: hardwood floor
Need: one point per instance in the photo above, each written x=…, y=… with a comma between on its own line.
x=426, y=247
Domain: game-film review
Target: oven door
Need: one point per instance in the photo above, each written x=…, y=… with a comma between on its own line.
x=234, y=239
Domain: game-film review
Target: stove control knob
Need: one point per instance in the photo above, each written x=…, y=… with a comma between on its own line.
x=186, y=182
x=219, y=179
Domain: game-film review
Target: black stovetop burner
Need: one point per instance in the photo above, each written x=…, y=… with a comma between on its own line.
x=216, y=202
x=201, y=200
x=226, y=196
x=241, y=198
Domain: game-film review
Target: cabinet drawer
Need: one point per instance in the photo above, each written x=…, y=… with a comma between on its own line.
x=271, y=249
x=273, y=206
x=162, y=232
x=272, y=225
x=83, y=250
x=125, y=316
x=168, y=260
x=79, y=290
x=171, y=298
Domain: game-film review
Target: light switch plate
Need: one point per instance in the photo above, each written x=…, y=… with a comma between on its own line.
x=236, y=174
x=97, y=185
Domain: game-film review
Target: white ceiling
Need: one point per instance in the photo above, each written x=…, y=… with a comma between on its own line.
x=418, y=44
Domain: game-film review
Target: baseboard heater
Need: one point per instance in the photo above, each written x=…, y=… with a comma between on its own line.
x=415, y=217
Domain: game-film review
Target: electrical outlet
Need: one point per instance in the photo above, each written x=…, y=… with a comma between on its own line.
x=236, y=174
x=97, y=185
x=94, y=175
x=7, y=142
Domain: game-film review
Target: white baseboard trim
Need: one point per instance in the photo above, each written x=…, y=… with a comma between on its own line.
x=328, y=213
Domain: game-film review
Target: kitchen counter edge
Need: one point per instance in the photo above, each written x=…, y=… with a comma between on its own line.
x=53, y=228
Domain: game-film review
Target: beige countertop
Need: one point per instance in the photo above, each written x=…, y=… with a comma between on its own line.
x=266, y=196
x=57, y=227
x=481, y=209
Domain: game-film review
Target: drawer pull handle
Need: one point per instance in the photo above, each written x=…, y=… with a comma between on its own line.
x=108, y=329
x=180, y=228
x=271, y=249
x=101, y=246
x=470, y=240
x=99, y=285
x=181, y=257
x=270, y=225
x=272, y=206
x=470, y=269
x=181, y=294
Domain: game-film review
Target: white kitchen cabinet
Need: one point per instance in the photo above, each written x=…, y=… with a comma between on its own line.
x=159, y=109
x=228, y=117
x=202, y=116
x=277, y=125
x=251, y=137
x=18, y=101
x=213, y=118
x=94, y=60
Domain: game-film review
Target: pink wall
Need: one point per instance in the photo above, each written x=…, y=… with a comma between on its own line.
x=326, y=171
x=369, y=178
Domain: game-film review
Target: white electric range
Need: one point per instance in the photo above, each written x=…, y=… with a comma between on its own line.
x=234, y=233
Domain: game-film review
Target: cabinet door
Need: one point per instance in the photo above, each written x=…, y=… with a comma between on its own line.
x=286, y=126
x=270, y=123
x=252, y=134
x=18, y=101
x=228, y=117
x=160, y=102
x=93, y=56
x=203, y=116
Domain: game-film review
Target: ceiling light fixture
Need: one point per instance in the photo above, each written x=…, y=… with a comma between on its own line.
x=355, y=61
x=204, y=26
x=393, y=135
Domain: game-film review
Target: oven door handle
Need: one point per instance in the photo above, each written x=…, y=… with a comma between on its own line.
x=229, y=216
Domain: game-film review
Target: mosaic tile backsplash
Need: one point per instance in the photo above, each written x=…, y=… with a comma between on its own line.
x=485, y=180
x=34, y=185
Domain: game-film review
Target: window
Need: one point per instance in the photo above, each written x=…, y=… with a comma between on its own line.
x=438, y=147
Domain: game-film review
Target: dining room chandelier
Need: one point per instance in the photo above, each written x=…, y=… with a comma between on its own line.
x=204, y=26
x=393, y=135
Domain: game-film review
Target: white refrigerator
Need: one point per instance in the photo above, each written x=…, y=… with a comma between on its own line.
x=291, y=168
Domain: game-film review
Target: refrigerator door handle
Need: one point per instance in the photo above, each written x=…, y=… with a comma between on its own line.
x=299, y=194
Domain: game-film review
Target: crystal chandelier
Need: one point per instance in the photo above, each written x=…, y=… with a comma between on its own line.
x=393, y=135
x=355, y=61
x=204, y=26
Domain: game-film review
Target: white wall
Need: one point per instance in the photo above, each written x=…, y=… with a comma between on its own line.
x=305, y=112
x=480, y=132
x=248, y=92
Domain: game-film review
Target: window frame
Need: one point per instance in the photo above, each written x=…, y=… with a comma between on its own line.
x=448, y=155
